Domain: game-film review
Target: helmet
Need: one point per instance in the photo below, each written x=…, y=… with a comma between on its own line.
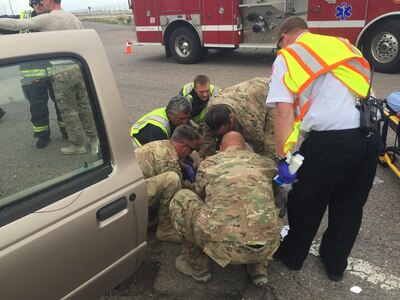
x=35, y=2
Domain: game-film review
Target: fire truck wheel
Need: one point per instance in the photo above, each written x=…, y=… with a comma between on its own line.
x=381, y=47
x=184, y=45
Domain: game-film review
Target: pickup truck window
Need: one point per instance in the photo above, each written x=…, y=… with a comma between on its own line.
x=43, y=99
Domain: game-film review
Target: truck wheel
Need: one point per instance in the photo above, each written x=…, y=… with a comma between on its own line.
x=185, y=46
x=381, y=47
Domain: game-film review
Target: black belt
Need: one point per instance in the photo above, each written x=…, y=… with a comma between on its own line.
x=337, y=134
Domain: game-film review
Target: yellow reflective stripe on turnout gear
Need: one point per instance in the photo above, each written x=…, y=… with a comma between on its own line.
x=35, y=73
x=40, y=128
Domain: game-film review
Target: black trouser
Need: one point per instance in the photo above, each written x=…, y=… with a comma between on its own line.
x=338, y=170
x=38, y=92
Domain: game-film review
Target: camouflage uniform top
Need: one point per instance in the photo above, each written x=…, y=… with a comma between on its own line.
x=158, y=157
x=247, y=102
x=237, y=187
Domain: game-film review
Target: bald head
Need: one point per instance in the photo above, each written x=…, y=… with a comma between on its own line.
x=233, y=138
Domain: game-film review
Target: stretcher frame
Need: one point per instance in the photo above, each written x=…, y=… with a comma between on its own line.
x=391, y=154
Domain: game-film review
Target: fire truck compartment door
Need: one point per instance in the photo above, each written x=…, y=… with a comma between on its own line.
x=218, y=22
x=326, y=16
x=147, y=23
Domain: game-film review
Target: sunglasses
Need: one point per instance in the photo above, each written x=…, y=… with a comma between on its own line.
x=278, y=45
x=35, y=2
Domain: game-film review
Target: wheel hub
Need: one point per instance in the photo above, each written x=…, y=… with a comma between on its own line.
x=183, y=46
x=385, y=47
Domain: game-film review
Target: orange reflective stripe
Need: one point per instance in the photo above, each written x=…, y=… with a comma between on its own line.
x=314, y=54
x=300, y=61
x=355, y=70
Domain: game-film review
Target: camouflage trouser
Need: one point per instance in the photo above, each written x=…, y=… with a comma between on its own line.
x=160, y=190
x=269, y=136
x=186, y=211
x=73, y=102
x=183, y=210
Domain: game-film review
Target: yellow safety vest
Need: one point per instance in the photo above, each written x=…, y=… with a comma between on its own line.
x=157, y=117
x=313, y=55
x=187, y=88
x=25, y=14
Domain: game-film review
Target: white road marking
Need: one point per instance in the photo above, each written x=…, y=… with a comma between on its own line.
x=367, y=271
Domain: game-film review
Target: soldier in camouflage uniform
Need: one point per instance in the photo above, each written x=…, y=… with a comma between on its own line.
x=161, y=166
x=237, y=222
x=73, y=102
x=241, y=108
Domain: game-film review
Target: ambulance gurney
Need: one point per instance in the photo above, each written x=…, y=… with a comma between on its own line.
x=390, y=123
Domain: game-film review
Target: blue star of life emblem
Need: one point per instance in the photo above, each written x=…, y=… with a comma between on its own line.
x=343, y=11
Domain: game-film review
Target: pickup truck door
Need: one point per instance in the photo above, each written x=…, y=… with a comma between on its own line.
x=71, y=226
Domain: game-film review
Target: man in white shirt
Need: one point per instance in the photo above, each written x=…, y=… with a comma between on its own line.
x=339, y=159
x=57, y=19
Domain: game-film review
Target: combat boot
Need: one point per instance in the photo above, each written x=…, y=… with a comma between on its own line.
x=73, y=150
x=42, y=141
x=166, y=232
x=258, y=273
x=183, y=265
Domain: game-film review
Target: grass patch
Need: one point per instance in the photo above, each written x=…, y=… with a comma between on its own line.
x=115, y=20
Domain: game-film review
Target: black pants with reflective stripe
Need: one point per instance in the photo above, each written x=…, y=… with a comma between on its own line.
x=337, y=173
x=38, y=92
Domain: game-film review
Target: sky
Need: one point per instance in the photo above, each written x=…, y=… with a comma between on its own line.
x=70, y=5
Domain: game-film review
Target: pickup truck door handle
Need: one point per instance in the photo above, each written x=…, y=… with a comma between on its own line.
x=111, y=209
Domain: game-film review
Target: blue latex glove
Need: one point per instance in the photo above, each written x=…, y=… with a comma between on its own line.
x=190, y=173
x=284, y=174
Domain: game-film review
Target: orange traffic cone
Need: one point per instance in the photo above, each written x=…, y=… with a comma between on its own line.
x=128, y=46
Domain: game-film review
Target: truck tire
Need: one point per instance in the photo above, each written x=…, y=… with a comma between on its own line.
x=381, y=46
x=184, y=46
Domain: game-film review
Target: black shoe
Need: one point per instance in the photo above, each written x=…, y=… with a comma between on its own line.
x=332, y=277
x=42, y=141
x=335, y=278
x=2, y=113
x=280, y=256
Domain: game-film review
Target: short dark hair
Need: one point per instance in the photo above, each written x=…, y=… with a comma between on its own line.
x=292, y=24
x=217, y=116
x=179, y=104
x=201, y=79
x=57, y=1
x=185, y=133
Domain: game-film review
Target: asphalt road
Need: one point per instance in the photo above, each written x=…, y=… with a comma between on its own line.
x=147, y=80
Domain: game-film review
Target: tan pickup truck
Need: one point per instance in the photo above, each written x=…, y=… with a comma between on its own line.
x=71, y=226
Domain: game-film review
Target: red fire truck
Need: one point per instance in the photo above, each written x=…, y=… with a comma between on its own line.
x=188, y=28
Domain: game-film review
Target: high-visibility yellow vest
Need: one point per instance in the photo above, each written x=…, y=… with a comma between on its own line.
x=25, y=14
x=187, y=88
x=157, y=117
x=313, y=55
